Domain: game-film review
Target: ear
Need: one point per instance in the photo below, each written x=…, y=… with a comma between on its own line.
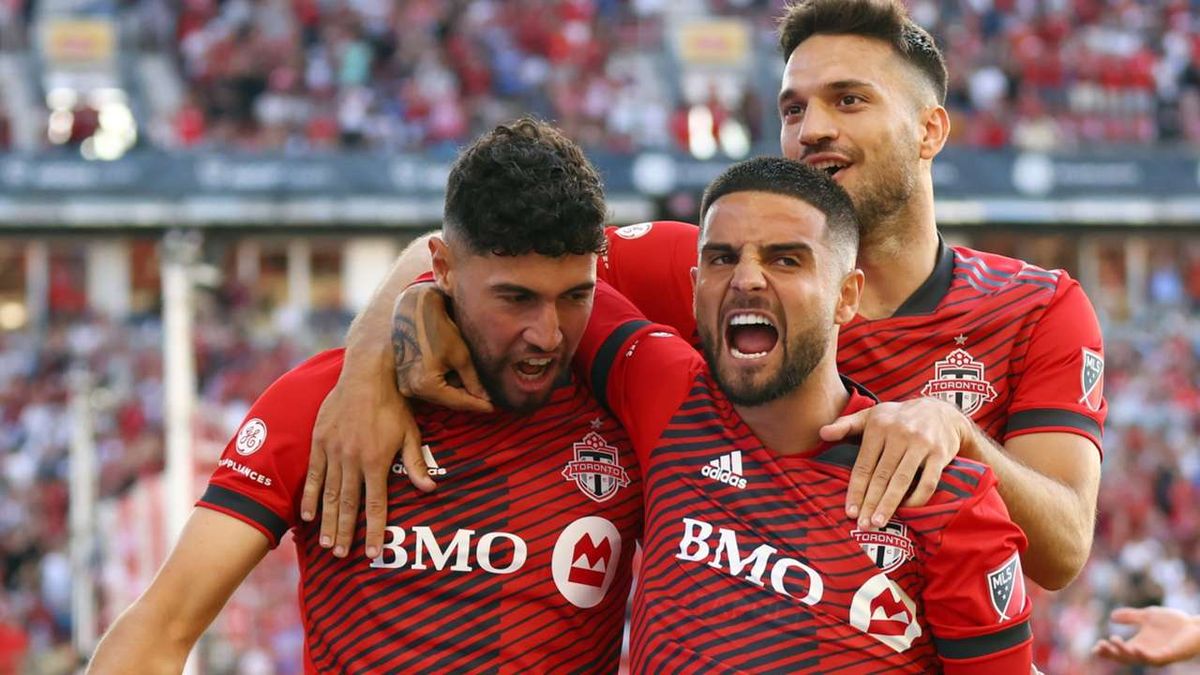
x=935, y=130
x=848, y=297
x=443, y=263
x=695, y=277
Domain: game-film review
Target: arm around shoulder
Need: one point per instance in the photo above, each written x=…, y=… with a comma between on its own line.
x=214, y=554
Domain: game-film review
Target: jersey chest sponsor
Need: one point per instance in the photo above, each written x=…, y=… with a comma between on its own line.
x=582, y=565
x=880, y=608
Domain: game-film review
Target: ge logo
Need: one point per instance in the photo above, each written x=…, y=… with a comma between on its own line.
x=251, y=437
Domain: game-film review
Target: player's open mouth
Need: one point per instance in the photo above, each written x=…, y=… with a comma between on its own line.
x=832, y=169
x=750, y=335
x=533, y=370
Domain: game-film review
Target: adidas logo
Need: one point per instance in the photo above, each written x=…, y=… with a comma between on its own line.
x=726, y=469
x=430, y=462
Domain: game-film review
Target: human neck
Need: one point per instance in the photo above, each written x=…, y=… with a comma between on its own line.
x=897, y=256
x=789, y=425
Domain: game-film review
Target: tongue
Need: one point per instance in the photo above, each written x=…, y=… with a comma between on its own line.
x=528, y=369
x=753, y=339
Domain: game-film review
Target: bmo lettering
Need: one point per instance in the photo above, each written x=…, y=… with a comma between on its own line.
x=784, y=572
x=428, y=552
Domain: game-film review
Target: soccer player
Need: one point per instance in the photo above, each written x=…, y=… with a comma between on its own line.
x=749, y=563
x=521, y=562
x=992, y=358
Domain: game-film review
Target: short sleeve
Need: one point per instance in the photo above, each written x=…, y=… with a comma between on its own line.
x=260, y=475
x=651, y=265
x=1061, y=388
x=974, y=598
x=639, y=370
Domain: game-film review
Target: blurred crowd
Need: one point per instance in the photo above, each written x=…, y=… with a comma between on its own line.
x=422, y=73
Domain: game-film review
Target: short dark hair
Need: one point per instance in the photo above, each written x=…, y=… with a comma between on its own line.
x=782, y=176
x=523, y=188
x=885, y=20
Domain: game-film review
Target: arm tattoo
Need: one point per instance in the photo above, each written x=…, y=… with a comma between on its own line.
x=405, y=346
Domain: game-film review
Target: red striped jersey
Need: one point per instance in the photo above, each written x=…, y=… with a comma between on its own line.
x=520, y=562
x=1015, y=347
x=749, y=561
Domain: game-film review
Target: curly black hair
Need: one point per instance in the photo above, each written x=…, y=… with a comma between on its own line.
x=525, y=188
x=885, y=20
x=781, y=176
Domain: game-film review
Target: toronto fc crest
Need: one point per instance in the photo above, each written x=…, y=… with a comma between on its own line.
x=596, y=468
x=958, y=379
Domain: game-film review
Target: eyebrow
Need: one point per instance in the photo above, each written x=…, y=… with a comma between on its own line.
x=517, y=288
x=769, y=249
x=838, y=85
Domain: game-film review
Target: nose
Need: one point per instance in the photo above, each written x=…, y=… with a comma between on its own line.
x=818, y=125
x=748, y=276
x=544, y=332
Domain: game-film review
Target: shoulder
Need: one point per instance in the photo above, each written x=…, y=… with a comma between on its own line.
x=991, y=273
x=658, y=229
x=296, y=396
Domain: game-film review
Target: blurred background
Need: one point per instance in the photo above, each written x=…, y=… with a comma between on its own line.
x=197, y=194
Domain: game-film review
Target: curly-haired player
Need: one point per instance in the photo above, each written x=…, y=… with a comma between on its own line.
x=512, y=566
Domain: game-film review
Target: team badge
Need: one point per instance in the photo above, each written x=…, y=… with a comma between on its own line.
x=958, y=379
x=635, y=231
x=1006, y=588
x=889, y=547
x=596, y=468
x=251, y=437
x=884, y=611
x=1091, y=378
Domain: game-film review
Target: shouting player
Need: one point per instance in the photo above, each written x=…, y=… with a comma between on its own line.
x=978, y=346
x=750, y=564
x=517, y=564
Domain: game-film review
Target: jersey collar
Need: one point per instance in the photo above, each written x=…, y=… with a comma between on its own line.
x=926, y=298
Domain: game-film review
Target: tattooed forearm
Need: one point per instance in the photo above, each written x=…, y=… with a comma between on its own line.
x=405, y=345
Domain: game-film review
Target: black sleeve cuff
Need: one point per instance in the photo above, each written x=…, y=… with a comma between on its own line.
x=982, y=645
x=607, y=354
x=1038, y=418
x=247, y=507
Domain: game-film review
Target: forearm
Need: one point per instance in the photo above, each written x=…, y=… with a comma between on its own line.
x=1057, y=521
x=369, y=339
x=143, y=641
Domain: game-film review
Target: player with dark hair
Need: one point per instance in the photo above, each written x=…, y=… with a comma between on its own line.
x=977, y=346
x=516, y=565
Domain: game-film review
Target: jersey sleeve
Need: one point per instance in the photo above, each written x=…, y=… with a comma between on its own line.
x=639, y=370
x=651, y=265
x=260, y=476
x=1062, y=385
x=974, y=597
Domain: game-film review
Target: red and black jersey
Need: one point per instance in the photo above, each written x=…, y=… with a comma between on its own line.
x=750, y=563
x=520, y=562
x=1015, y=347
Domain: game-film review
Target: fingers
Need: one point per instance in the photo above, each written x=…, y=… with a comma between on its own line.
x=860, y=476
x=887, y=468
x=1127, y=615
x=465, y=367
x=347, y=520
x=313, y=480
x=902, y=481
x=375, y=476
x=848, y=425
x=330, y=499
x=454, y=398
x=415, y=466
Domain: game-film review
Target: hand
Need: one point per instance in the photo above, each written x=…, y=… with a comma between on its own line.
x=1164, y=636
x=428, y=347
x=899, y=441
x=359, y=428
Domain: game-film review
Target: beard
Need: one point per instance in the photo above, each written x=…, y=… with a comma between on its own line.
x=491, y=370
x=877, y=201
x=801, y=354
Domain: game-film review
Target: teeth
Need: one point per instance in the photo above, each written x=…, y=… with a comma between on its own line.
x=740, y=355
x=537, y=363
x=750, y=320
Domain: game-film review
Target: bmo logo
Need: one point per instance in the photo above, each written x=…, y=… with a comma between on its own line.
x=585, y=560
x=762, y=567
x=492, y=552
